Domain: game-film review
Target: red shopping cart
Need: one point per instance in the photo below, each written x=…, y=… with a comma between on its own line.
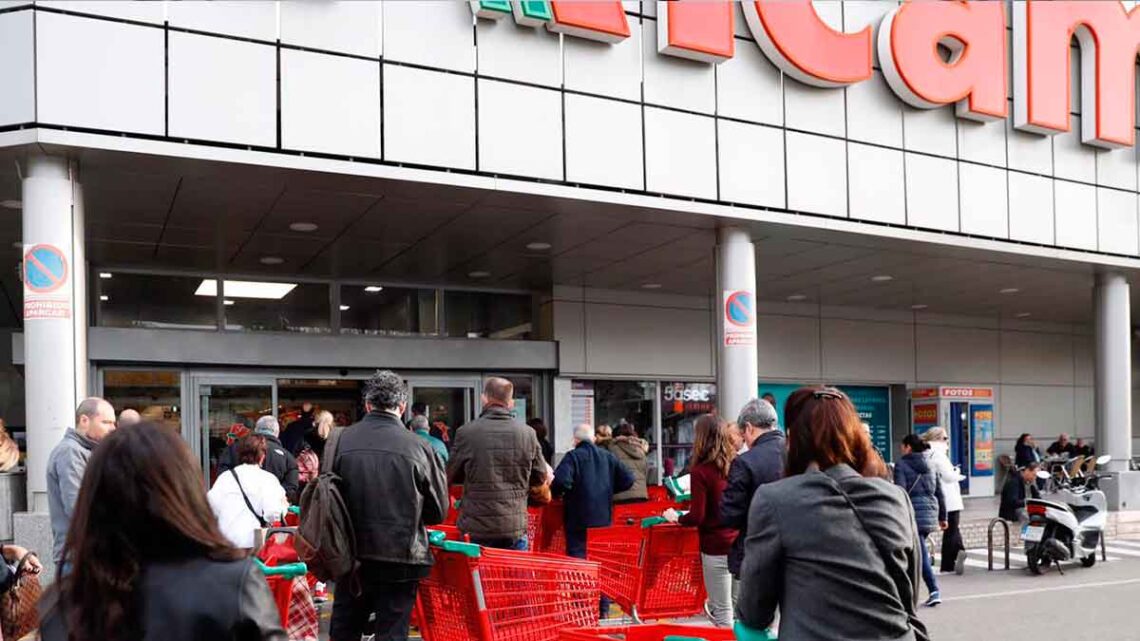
x=294, y=605
x=649, y=632
x=651, y=570
x=484, y=594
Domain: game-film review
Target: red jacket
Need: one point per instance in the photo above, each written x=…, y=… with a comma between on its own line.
x=707, y=485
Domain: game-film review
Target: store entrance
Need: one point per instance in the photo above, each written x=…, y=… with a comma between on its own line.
x=451, y=400
x=227, y=408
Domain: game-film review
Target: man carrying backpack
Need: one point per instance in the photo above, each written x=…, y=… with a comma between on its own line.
x=393, y=485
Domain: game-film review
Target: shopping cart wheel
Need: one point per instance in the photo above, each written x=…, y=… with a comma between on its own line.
x=636, y=617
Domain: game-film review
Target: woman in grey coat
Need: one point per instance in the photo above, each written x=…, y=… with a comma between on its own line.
x=834, y=546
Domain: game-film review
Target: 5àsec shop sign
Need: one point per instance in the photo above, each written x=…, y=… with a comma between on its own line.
x=688, y=398
x=974, y=78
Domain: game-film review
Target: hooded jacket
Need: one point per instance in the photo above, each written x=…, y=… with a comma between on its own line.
x=631, y=452
x=914, y=474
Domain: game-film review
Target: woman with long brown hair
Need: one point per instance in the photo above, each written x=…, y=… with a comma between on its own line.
x=833, y=546
x=145, y=558
x=713, y=452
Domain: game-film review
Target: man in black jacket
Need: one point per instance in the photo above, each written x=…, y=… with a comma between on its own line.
x=278, y=460
x=1017, y=488
x=293, y=438
x=764, y=462
x=393, y=485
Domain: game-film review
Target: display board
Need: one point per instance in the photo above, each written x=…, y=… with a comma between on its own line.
x=873, y=402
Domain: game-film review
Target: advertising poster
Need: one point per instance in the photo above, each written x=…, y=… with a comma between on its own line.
x=925, y=417
x=982, y=424
x=871, y=401
x=581, y=403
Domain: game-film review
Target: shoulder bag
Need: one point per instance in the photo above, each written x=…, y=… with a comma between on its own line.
x=261, y=520
x=18, y=614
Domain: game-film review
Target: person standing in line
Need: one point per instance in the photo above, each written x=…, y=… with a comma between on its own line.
x=914, y=474
x=94, y=420
x=949, y=477
x=421, y=429
x=497, y=459
x=543, y=435
x=603, y=434
x=393, y=486
x=323, y=423
x=279, y=461
x=147, y=559
x=631, y=451
x=247, y=497
x=294, y=434
x=763, y=462
x=713, y=454
x=129, y=417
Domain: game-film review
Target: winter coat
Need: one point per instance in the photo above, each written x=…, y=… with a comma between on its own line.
x=279, y=462
x=66, y=465
x=631, y=452
x=437, y=445
x=496, y=458
x=948, y=477
x=708, y=483
x=763, y=463
x=587, y=478
x=1025, y=454
x=914, y=474
x=293, y=436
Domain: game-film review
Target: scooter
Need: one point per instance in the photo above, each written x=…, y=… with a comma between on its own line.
x=1069, y=524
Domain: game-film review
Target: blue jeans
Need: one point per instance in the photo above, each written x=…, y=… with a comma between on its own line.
x=927, y=568
x=502, y=544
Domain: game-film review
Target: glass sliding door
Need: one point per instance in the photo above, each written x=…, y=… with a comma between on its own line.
x=227, y=407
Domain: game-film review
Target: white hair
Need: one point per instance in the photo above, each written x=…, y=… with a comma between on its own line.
x=584, y=433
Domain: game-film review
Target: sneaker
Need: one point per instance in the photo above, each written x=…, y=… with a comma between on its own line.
x=935, y=599
x=960, y=562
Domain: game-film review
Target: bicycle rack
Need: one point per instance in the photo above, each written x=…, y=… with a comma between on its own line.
x=990, y=543
x=1103, y=551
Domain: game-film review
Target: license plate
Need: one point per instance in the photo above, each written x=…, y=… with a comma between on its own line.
x=1033, y=533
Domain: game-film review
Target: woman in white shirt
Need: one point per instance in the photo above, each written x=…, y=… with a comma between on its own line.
x=949, y=476
x=264, y=499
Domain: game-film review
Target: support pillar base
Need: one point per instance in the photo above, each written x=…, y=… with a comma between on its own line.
x=1122, y=491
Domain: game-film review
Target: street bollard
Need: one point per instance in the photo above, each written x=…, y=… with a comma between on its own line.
x=990, y=543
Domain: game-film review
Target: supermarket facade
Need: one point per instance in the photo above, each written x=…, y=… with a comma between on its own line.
x=219, y=210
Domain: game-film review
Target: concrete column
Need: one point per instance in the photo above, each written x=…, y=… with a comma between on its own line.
x=1113, y=369
x=55, y=315
x=737, y=368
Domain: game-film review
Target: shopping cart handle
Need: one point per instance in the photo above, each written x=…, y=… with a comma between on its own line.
x=295, y=509
x=289, y=570
x=440, y=540
x=435, y=537
x=745, y=633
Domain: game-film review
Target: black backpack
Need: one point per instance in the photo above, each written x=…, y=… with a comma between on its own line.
x=327, y=542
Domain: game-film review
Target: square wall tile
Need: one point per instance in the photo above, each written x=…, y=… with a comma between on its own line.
x=602, y=68
x=680, y=153
x=256, y=20
x=874, y=112
x=984, y=200
x=931, y=192
x=1030, y=208
x=877, y=189
x=521, y=130
x=751, y=164
x=344, y=26
x=675, y=82
x=1028, y=152
x=1116, y=221
x=931, y=131
x=152, y=12
x=817, y=174
x=330, y=104
x=1116, y=168
x=17, y=68
x=603, y=142
x=982, y=142
x=222, y=89
x=120, y=77
x=509, y=51
x=1076, y=215
x=749, y=87
x=436, y=34
x=1073, y=160
x=429, y=117
x=814, y=109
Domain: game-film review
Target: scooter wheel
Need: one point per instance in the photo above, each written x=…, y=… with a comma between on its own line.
x=1089, y=561
x=1034, y=558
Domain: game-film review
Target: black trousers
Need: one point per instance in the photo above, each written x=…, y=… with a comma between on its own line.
x=951, y=542
x=576, y=547
x=391, y=601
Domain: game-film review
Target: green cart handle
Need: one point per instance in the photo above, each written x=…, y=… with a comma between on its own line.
x=288, y=571
x=745, y=633
x=440, y=540
x=295, y=509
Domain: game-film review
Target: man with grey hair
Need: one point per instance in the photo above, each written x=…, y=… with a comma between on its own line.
x=129, y=417
x=278, y=461
x=94, y=420
x=421, y=428
x=764, y=462
x=393, y=485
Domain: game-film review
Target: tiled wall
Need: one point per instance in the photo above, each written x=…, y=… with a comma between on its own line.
x=422, y=83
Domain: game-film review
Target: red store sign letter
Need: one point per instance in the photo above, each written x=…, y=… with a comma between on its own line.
x=794, y=38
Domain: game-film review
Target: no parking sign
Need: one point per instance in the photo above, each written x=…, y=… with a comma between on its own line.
x=739, y=317
x=46, y=291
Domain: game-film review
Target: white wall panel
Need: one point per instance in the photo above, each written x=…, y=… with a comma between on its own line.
x=751, y=164
x=1030, y=208
x=680, y=153
x=874, y=113
x=1044, y=411
x=1116, y=168
x=749, y=87
x=815, y=162
x=222, y=89
x=984, y=207
x=1035, y=358
x=1028, y=152
x=521, y=130
x=877, y=189
x=569, y=331
x=675, y=82
x=963, y=355
x=502, y=41
x=330, y=104
x=230, y=17
x=1072, y=159
x=17, y=68
x=931, y=131
x=152, y=12
x=931, y=192
x=654, y=341
x=100, y=74
x=1075, y=214
x=429, y=117
x=436, y=34
x=603, y=142
x=1084, y=411
x=602, y=68
x=867, y=351
x=982, y=142
x=1116, y=220
x=788, y=347
x=814, y=109
x=345, y=26
x=1083, y=354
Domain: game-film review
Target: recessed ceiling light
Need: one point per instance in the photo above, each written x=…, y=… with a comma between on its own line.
x=1023, y=315
x=538, y=246
x=105, y=275
x=1009, y=290
x=227, y=302
x=478, y=274
x=345, y=308
x=882, y=278
x=272, y=260
x=651, y=286
x=919, y=306
x=12, y=204
x=304, y=227
x=373, y=289
x=797, y=297
x=104, y=298
x=246, y=289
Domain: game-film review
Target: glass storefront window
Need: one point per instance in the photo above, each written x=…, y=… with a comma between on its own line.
x=610, y=402
x=374, y=310
x=487, y=315
x=155, y=394
x=152, y=301
x=525, y=406
x=302, y=308
x=681, y=404
x=339, y=397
